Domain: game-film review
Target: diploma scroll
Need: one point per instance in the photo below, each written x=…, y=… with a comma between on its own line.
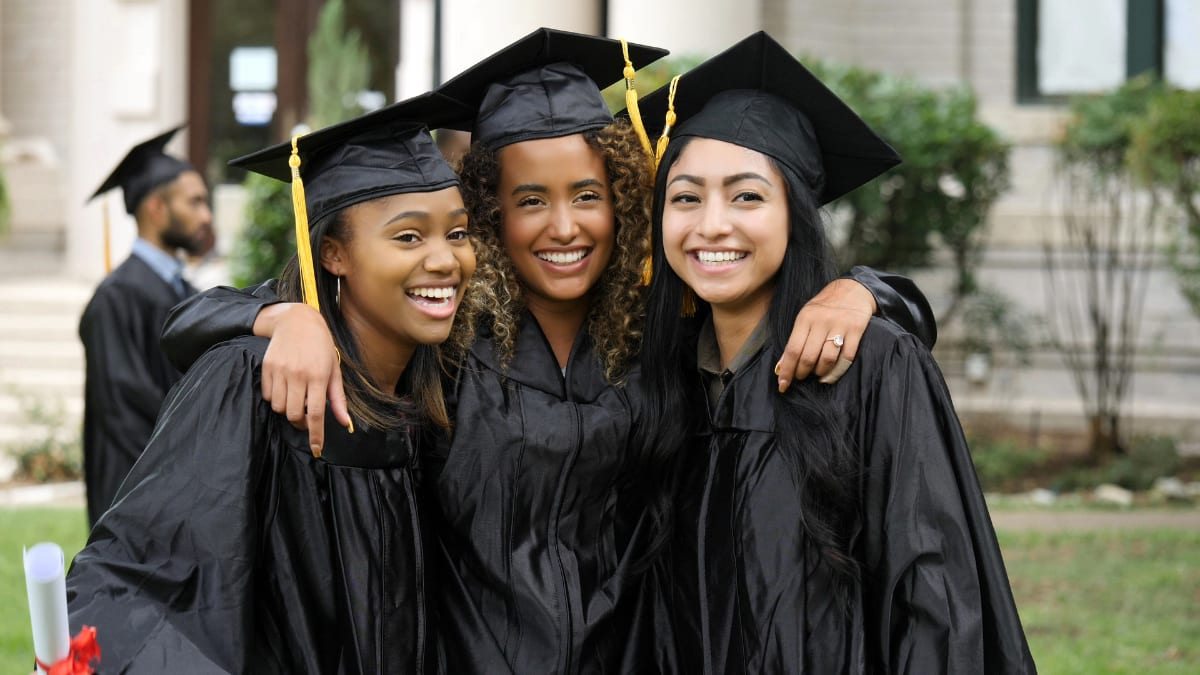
x=46, y=582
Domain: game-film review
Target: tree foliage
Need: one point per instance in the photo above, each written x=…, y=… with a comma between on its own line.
x=1098, y=265
x=1164, y=154
x=338, y=69
x=955, y=167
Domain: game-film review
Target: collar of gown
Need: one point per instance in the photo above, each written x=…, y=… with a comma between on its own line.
x=534, y=365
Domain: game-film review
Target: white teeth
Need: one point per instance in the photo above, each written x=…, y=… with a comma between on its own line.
x=436, y=293
x=563, y=258
x=710, y=257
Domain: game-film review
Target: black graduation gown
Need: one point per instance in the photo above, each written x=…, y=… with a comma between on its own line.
x=742, y=592
x=535, y=529
x=230, y=549
x=536, y=535
x=127, y=374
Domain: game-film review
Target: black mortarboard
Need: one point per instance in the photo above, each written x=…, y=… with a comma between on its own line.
x=757, y=95
x=385, y=152
x=545, y=85
x=144, y=168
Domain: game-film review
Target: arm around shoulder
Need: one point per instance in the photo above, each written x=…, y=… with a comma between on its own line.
x=211, y=317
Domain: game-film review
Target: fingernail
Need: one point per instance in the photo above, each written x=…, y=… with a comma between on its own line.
x=826, y=379
x=777, y=369
x=350, y=426
x=316, y=450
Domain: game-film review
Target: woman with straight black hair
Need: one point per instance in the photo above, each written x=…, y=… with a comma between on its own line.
x=831, y=529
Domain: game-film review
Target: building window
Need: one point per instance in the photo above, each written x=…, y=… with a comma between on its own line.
x=1065, y=47
x=1181, y=53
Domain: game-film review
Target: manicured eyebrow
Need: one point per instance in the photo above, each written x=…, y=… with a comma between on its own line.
x=739, y=177
x=687, y=178
x=529, y=187
x=407, y=214
x=586, y=182
x=458, y=212
x=727, y=181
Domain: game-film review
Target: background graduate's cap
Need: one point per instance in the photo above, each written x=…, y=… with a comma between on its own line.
x=385, y=152
x=545, y=85
x=757, y=95
x=143, y=169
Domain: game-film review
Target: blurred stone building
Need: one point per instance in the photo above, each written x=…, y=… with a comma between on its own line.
x=82, y=81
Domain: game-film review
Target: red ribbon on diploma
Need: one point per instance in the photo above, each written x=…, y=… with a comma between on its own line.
x=78, y=661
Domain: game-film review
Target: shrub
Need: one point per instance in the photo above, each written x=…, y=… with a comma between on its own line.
x=1002, y=463
x=1149, y=458
x=954, y=169
x=268, y=240
x=339, y=68
x=49, y=452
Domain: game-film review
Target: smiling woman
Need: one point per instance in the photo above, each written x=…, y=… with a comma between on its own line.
x=831, y=529
x=230, y=547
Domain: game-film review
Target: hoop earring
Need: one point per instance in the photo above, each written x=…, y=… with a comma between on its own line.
x=337, y=293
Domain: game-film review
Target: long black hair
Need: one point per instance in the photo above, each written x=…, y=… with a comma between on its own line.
x=809, y=430
x=418, y=395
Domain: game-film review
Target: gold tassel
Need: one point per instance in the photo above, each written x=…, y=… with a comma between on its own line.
x=308, y=275
x=107, y=237
x=670, y=122
x=631, y=103
x=648, y=266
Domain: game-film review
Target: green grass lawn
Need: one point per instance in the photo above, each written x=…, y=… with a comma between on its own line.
x=1109, y=601
x=1093, y=602
x=19, y=528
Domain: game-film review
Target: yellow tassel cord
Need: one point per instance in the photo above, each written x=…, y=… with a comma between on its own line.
x=631, y=102
x=107, y=237
x=648, y=268
x=670, y=122
x=308, y=276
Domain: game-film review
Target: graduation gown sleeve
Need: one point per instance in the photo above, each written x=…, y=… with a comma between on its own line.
x=937, y=593
x=899, y=301
x=166, y=576
x=213, y=316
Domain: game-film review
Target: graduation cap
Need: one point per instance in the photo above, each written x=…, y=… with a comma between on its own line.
x=144, y=168
x=386, y=152
x=757, y=95
x=545, y=85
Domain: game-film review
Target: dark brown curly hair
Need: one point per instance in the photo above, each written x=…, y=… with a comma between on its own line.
x=496, y=298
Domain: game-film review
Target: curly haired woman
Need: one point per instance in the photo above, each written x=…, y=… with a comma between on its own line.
x=536, y=487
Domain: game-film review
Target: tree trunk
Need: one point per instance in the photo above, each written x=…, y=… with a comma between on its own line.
x=1105, y=439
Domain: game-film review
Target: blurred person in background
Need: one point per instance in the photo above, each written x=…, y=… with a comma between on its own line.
x=127, y=374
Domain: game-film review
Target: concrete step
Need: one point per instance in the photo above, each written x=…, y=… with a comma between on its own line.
x=56, y=325
x=35, y=295
x=15, y=435
x=55, y=353
x=16, y=405
x=47, y=381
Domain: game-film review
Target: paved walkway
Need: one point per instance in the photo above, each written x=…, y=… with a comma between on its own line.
x=1060, y=521
x=48, y=494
